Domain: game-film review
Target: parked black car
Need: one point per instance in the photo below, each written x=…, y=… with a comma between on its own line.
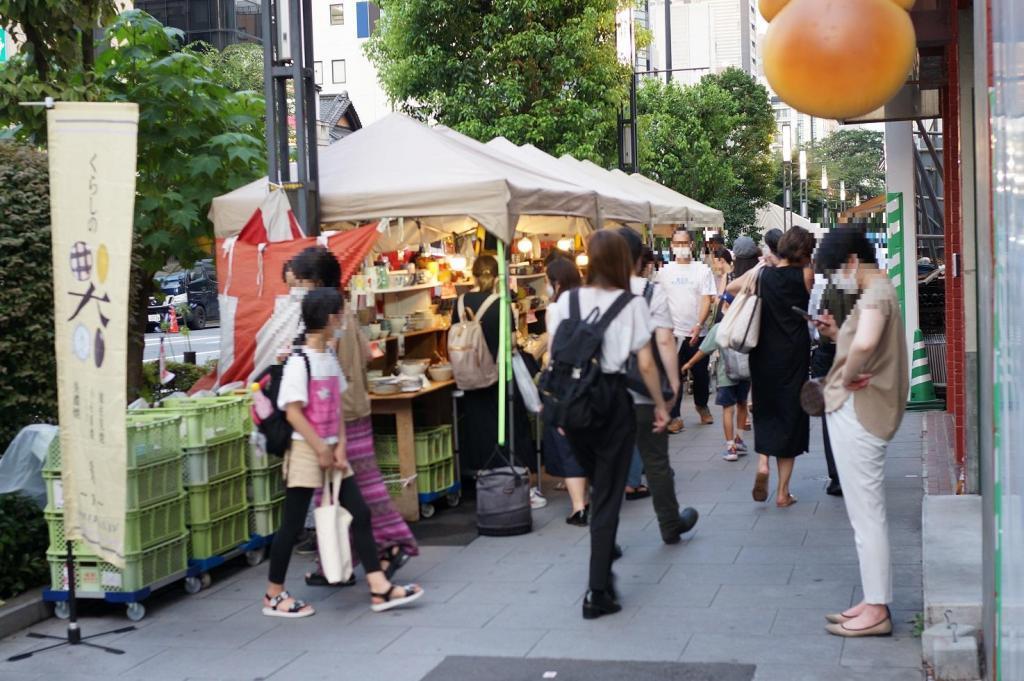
x=196, y=288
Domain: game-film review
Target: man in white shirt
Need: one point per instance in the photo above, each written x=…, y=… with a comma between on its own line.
x=690, y=288
x=653, y=446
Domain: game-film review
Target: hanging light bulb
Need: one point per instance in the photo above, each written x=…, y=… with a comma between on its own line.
x=525, y=245
x=824, y=178
x=565, y=244
x=582, y=260
x=457, y=262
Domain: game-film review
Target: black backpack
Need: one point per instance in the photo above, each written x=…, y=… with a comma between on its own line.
x=275, y=427
x=634, y=380
x=570, y=387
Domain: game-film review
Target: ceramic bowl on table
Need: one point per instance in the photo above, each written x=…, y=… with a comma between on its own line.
x=413, y=368
x=440, y=373
x=384, y=388
x=374, y=331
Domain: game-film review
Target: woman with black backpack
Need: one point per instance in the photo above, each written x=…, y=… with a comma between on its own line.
x=593, y=331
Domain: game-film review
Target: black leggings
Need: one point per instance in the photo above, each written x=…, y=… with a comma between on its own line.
x=701, y=378
x=296, y=505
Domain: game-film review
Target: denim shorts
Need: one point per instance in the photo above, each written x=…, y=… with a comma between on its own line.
x=732, y=395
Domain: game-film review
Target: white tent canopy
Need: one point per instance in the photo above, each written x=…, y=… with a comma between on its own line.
x=614, y=203
x=773, y=216
x=700, y=214
x=399, y=167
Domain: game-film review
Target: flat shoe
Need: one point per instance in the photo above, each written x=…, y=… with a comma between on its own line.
x=760, y=491
x=883, y=628
x=837, y=618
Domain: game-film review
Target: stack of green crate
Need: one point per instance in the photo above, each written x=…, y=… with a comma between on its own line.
x=215, y=440
x=266, y=491
x=435, y=461
x=155, y=536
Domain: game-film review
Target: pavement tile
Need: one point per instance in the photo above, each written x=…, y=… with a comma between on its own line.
x=83, y=660
x=533, y=593
x=789, y=672
x=441, y=615
x=901, y=650
x=338, y=666
x=309, y=634
x=669, y=596
x=799, y=555
x=759, y=650
x=903, y=574
x=441, y=641
x=728, y=574
x=577, y=574
x=477, y=571
x=215, y=664
x=827, y=596
x=233, y=632
x=624, y=644
x=736, y=621
x=558, y=616
x=794, y=537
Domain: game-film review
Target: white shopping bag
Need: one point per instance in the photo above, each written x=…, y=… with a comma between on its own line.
x=527, y=388
x=332, y=523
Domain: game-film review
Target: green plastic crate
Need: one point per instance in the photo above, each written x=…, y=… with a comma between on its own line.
x=141, y=569
x=216, y=461
x=264, y=519
x=259, y=458
x=266, y=485
x=433, y=445
x=143, y=529
x=438, y=477
x=216, y=499
x=220, y=535
x=152, y=437
x=145, y=486
x=206, y=421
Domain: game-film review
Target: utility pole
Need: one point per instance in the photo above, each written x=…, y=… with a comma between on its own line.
x=668, y=41
x=288, y=56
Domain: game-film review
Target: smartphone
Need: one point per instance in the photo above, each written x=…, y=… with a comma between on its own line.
x=803, y=313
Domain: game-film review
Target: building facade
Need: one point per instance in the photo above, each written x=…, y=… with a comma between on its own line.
x=706, y=36
x=217, y=22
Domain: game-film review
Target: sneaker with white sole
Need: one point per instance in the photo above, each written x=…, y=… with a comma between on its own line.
x=730, y=454
x=537, y=500
x=741, y=447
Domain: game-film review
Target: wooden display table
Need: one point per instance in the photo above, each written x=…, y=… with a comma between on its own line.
x=400, y=405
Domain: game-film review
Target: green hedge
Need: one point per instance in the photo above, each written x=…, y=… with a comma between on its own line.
x=23, y=542
x=28, y=372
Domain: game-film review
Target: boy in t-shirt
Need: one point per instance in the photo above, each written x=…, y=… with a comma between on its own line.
x=731, y=396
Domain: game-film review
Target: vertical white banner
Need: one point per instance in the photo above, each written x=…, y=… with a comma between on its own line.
x=92, y=149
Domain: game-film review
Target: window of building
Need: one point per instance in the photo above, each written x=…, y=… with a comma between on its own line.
x=318, y=72
x=338, y=70
x=337, y=14
x=367, y=14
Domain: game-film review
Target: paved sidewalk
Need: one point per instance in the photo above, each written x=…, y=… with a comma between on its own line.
x=749, y=585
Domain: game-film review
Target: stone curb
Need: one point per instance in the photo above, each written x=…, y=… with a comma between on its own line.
x=23, y=611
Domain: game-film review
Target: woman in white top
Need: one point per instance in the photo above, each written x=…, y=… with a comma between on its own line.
x=604, y=450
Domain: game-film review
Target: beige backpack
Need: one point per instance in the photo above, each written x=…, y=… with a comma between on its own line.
x=472, y=363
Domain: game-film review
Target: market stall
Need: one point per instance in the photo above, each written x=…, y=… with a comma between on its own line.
x=430, y=191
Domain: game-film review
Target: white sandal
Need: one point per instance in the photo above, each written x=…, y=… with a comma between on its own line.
x=412, y=593
x=296, y=610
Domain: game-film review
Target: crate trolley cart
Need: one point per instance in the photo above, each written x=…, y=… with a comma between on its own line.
x=155, y=532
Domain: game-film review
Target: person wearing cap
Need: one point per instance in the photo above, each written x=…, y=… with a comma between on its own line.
x=690, y=289
x=653, y=447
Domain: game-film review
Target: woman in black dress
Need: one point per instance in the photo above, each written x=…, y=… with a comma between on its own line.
x=478, y=409
x=779, y=363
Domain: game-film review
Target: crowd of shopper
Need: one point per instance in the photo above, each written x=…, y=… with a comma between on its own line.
x=828, y=321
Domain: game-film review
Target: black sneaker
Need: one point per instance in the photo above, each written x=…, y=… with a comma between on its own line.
x=308, y=547
x=579, y=518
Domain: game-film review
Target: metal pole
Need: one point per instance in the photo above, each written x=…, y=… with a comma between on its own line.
x=634, y=139
x=668, y=41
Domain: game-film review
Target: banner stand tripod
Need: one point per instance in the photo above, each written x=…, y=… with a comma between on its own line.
x=74, y=635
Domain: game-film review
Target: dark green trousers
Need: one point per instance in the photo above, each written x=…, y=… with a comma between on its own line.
x=654, y=453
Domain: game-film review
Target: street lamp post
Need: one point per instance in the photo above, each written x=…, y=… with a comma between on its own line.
x=842, y=195
x=824, y=196
x=787, y=175
x=803, y=182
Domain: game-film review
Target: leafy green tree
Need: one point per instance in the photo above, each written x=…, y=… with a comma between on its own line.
x=855, y=156
x=28, y=374
x=197, y=140
x=710, y=141
x=237, y=67
x=543, y=72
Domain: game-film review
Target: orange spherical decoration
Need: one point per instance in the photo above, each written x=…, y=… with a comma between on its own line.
x=769, y=8
x=905, y=4
x=839, y=58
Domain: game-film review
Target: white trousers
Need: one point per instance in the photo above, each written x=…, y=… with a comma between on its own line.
x=860, y=459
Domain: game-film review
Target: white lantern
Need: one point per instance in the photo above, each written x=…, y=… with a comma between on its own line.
x=582, y=260
x=525, y=245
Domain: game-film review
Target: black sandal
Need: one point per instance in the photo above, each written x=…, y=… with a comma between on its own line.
x=396, y=559
x=412, y=592
x=296, y=610
x=318, y=579
x=640, y=492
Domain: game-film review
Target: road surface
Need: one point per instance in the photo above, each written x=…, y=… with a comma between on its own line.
x=206, y=344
